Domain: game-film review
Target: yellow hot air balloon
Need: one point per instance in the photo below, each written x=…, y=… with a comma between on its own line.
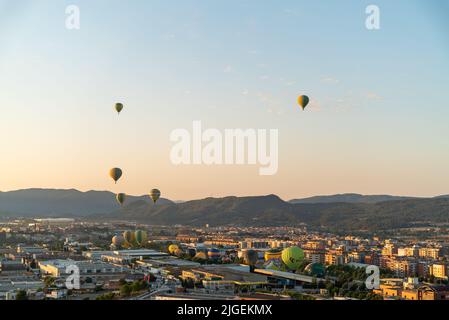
x=121, y=197
x=155, y=194
x=118, y=107
x=172, y=248
x=115, y=174
x=272, y=254
x=303, y=101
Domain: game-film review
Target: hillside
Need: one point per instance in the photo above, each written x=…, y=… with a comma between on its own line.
x=272, y=211
x=55, y=202
x=350, y=198
x=240, y=211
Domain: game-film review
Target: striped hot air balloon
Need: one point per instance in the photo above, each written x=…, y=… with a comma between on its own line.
x=303, y=101
x=129, y=237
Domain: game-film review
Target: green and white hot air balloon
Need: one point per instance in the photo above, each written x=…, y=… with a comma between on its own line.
x=121, y=197
x=292, y=257
x=141, y=237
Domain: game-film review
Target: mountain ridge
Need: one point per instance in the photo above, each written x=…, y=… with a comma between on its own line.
x=61, y=202
x=269, y=210
x=351, y=198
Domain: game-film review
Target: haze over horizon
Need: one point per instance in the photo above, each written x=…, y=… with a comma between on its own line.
x=377, y=122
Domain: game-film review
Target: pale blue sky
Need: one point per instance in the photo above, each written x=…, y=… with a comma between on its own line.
x=378, y=121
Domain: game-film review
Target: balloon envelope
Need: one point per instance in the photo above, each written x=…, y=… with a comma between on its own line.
x=118, y=241
x=213, y=253
x=292, y=257
x=315, y=269
x=155, y=194
x=200, y=256
x=118, y=107
x=115, y=174
x=178, y=252
x=272, y=254
x=129, y=237
x=191, y=252
x=172, y=248
x=250, y=257
x=141, y=237
x=121, y=197
x=303, y=101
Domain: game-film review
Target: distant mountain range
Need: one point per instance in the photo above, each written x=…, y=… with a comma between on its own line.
x=272, y=211
x=338, y=212
x=55, y=202
x=350, y=198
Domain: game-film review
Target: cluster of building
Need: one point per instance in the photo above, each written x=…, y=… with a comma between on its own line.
x=38, y=257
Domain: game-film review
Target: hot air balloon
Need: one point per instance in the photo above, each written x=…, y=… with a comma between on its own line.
x=272, y=254
x=191, y=252
x=273, y=264
x=141, y=237
x=121, y=197
x=118, y=240
x=292, y=257
x=115, y=174
x=303, y=101
x=172, y=248
x=178, y=252
x=129, y=237
x=213, y=253
x=155, y=195
x=200, y=256
x=315, y=269
x=118, y=107
x=250, y=257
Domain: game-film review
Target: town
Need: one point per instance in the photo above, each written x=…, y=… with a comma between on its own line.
x=127, y=261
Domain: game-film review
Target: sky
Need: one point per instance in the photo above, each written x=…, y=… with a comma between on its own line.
x=377, y=122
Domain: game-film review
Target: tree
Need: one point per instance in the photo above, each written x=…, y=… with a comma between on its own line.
x=21, y=295
x=49, y=281
x=106, y=296
x=125, y=290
